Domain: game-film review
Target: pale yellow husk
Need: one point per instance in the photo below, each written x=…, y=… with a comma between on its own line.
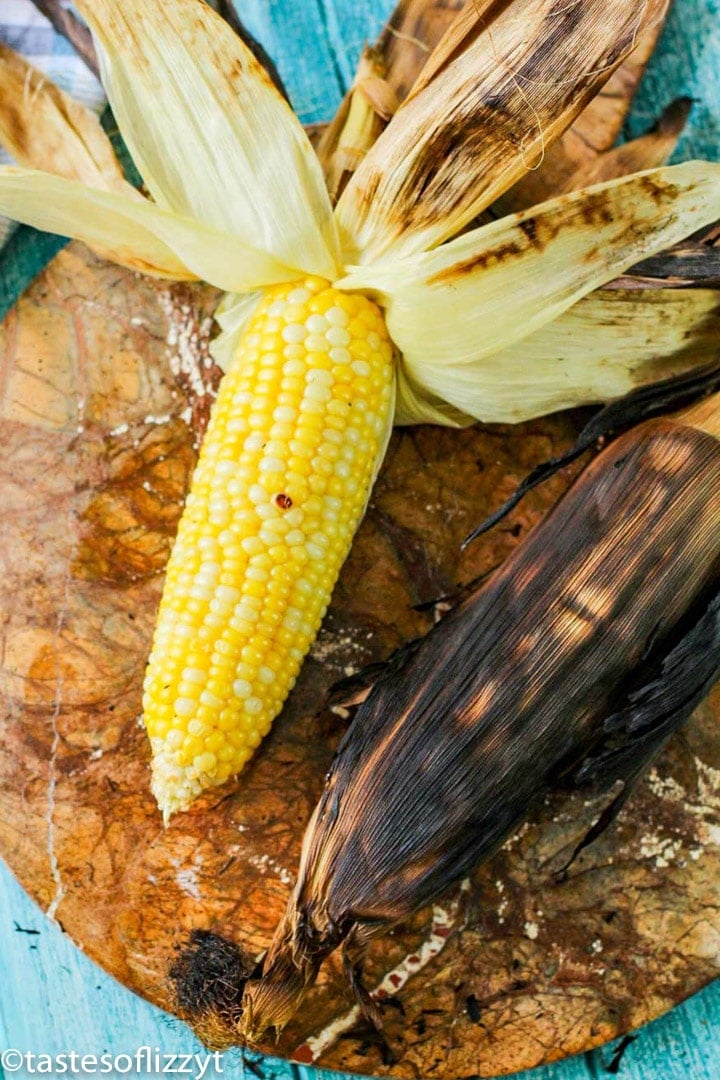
x=135, y=232
x=209, y=132
x=607, y=344
x=44, y=128
x=454, y=311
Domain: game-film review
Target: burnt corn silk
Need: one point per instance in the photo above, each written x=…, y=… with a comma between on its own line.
x=573, y=665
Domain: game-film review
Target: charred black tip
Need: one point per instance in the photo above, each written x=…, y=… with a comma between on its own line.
x=209, y=976
x=675, y=114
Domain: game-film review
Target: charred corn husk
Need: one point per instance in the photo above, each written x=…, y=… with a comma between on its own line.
x=573, y=665
x=236, y=196
x=296, y=436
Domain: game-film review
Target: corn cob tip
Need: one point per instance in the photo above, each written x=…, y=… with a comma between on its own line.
x=173, y=786
x=297, y=433
x=176, y=785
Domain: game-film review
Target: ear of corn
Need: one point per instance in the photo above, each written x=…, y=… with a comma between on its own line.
x=593, y=642
x=238, y=199
x=296, y=436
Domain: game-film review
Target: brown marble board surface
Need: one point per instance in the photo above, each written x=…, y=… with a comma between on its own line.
x=105, y=384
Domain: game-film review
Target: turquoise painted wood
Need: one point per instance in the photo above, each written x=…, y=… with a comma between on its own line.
x=54, y=1000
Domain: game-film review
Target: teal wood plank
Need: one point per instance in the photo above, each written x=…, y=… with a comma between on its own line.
x=686, y=62
x=315, y=45
x=53, y=999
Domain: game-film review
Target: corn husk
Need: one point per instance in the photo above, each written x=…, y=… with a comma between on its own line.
x=360, y=119
x=44, y=128
x=571, y=668
x=427, y=177
x=593, y=134
x=414, y=30
x=160, y=238
x=195, y=146
x=646, y=152
x=448, y=311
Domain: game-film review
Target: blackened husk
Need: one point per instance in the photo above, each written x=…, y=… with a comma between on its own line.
x=559, y=661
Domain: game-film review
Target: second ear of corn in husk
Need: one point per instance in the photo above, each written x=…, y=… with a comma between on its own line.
x=426, y=178
x=570, y=668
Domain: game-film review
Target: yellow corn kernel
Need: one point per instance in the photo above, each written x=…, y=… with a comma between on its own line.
x=296, y=436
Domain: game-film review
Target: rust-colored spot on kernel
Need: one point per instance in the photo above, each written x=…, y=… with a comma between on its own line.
x=283, y=501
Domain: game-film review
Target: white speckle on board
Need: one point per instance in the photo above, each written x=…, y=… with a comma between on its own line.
x=709, y=834
x=187, y=346
x=708, y=785
x=161, y=418
x=263, y=863
x=596, y=946
x=121, y=429
x=517, y=837
x=186, y=876
x=531, y=930
x=702, y=804
x=440, y=609
x=504, y=901
x=665, y=787
x=663, y=849
x=188, y=882
x=334, y=648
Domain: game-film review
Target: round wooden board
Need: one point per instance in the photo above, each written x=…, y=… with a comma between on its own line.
x=105, y=375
